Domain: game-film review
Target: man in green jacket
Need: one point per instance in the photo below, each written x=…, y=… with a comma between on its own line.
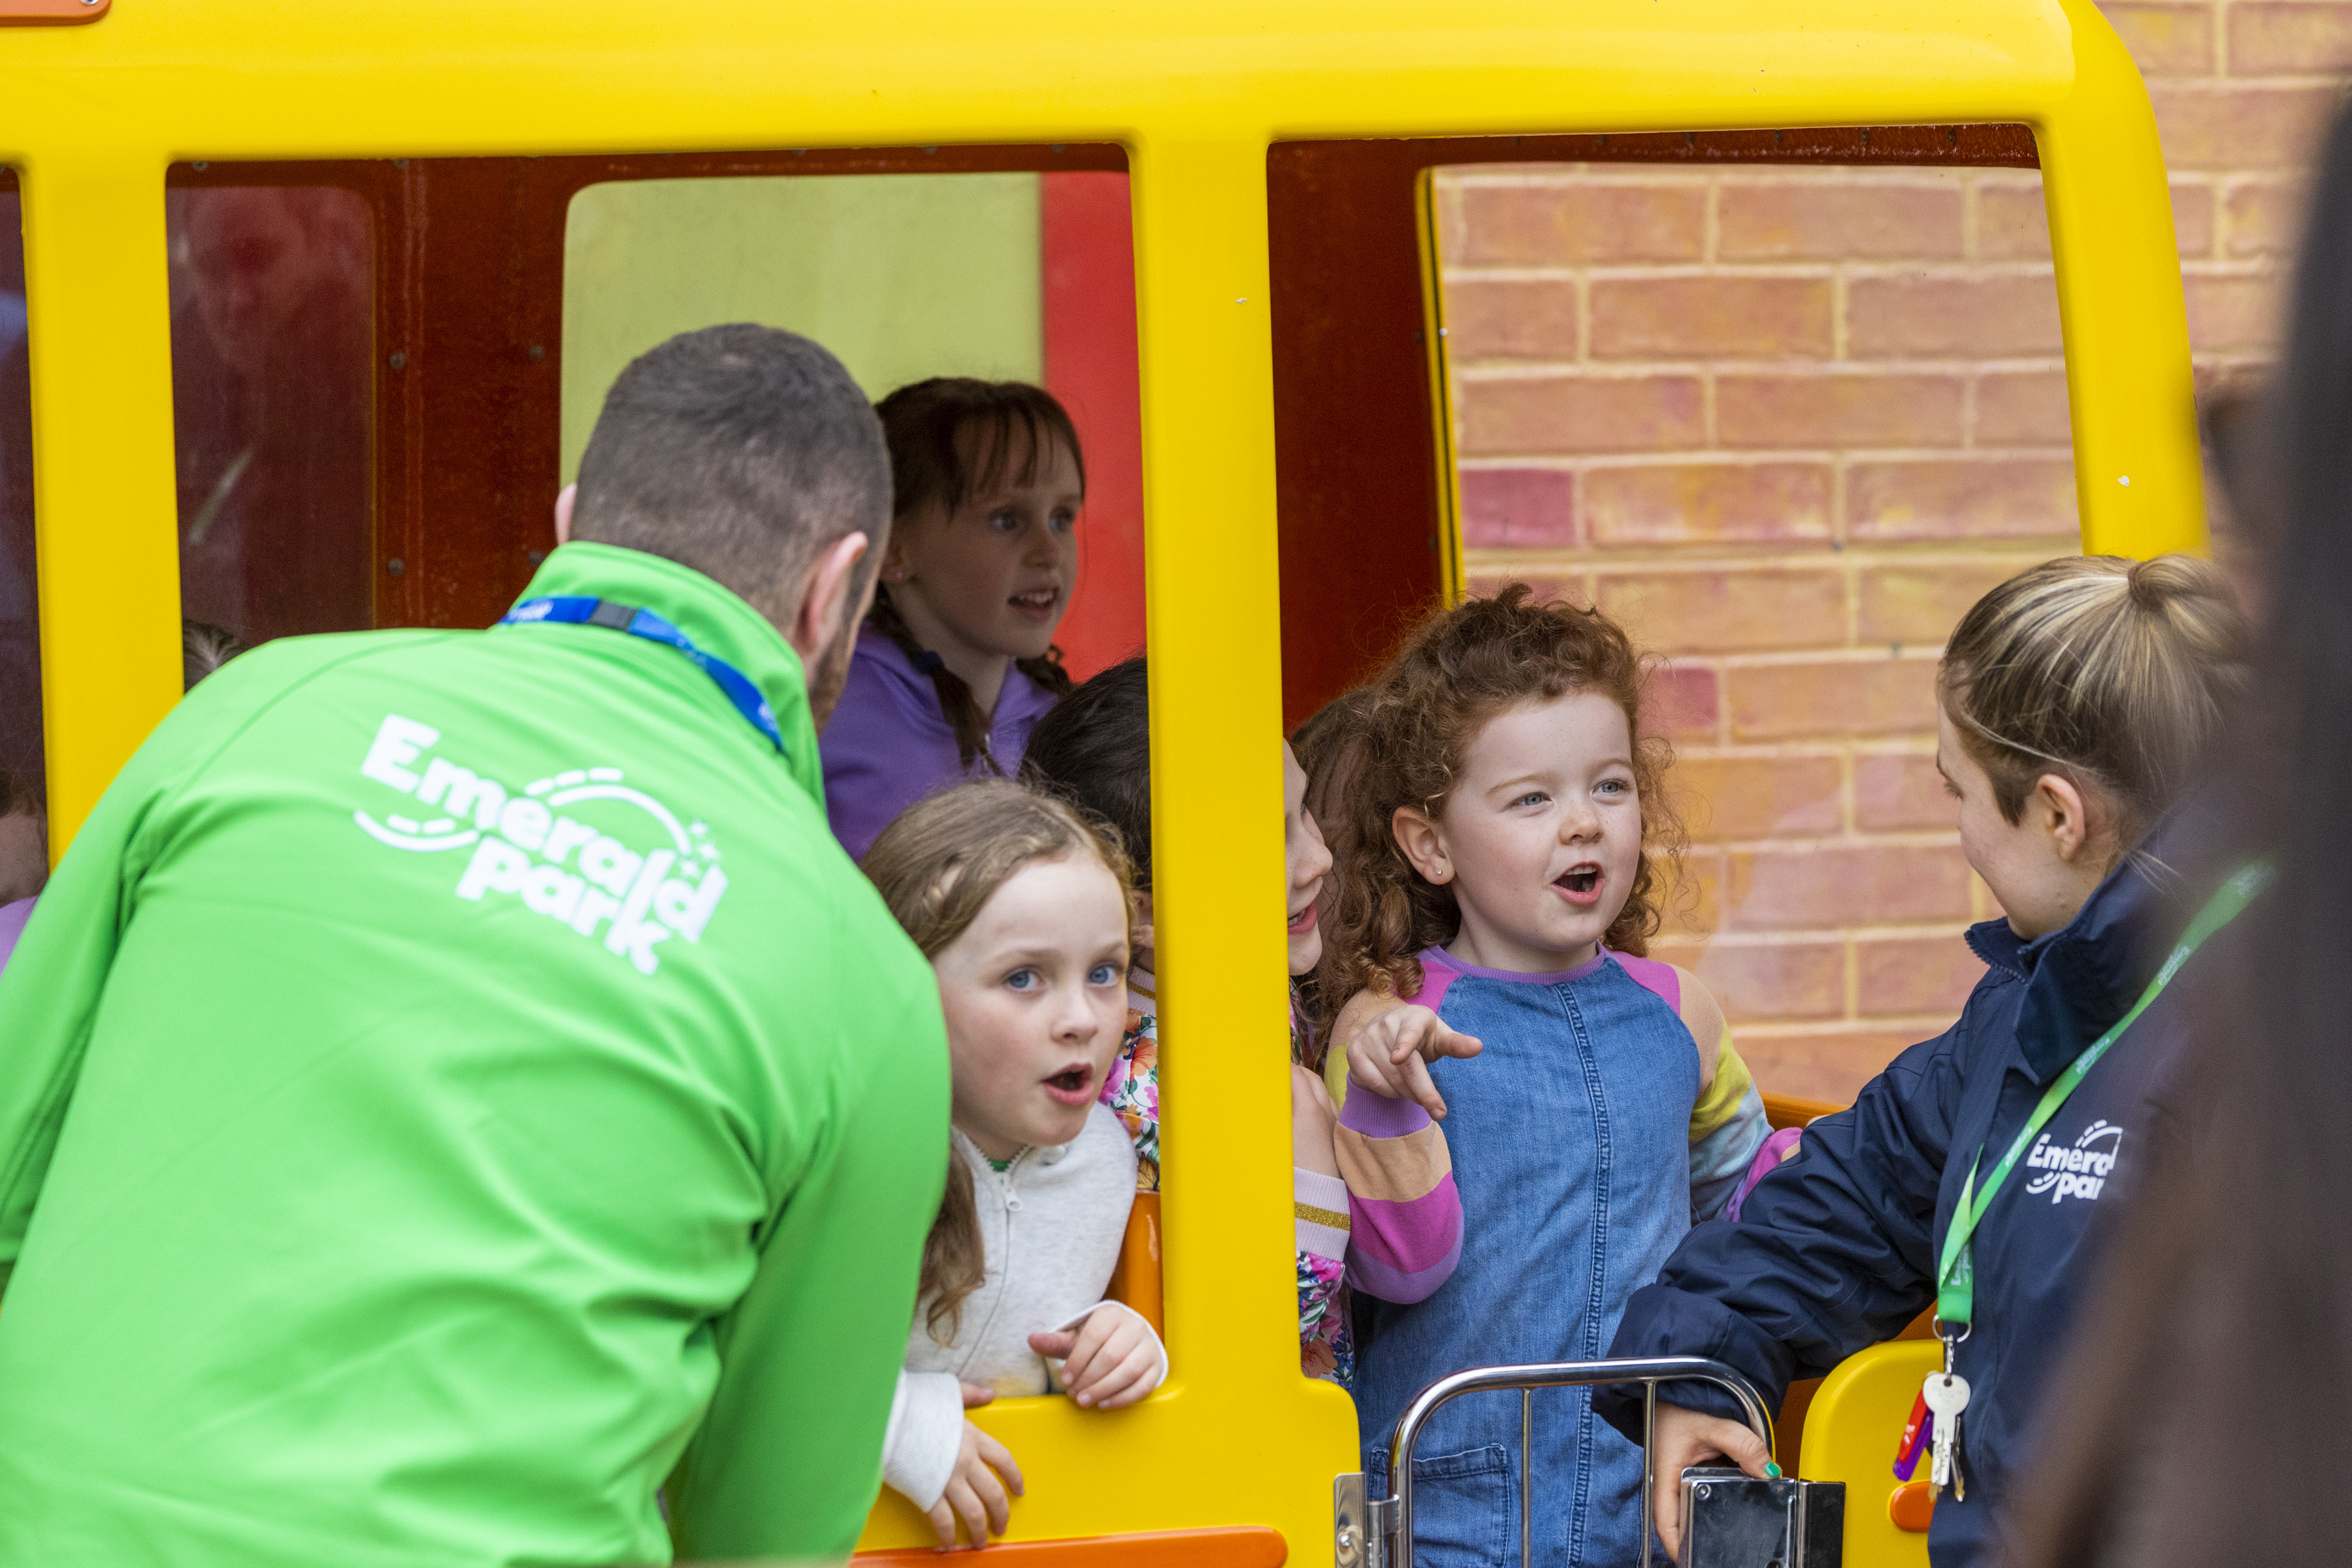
x=456, y=1086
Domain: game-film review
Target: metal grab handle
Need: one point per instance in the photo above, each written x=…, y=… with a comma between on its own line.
x=1391, y=1517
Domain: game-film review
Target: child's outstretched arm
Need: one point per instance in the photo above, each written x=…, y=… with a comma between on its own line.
x=1390, y=1045
x=944, y=1463
x=1110, y=1355
x=1404, y=1233
x=1727, y=1125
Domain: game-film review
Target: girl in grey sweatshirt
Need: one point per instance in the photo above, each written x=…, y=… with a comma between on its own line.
x=1023, y=911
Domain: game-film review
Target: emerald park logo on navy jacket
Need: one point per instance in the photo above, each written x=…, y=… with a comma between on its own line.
x=581, y=846
x=2081, y=1172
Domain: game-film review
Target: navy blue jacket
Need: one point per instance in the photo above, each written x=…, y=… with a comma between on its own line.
x=1836, y=1249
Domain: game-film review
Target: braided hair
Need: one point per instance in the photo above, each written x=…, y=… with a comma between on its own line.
x=950, y=437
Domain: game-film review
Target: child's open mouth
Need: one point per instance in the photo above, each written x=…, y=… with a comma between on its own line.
x=1073, y=1085
x=1581, y=884
x=1037, y=604
x=1303, y=921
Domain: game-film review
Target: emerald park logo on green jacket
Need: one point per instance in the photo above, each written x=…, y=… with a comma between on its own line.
x=583, y=873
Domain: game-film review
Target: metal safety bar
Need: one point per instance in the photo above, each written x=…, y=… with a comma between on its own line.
x=1387, y=1522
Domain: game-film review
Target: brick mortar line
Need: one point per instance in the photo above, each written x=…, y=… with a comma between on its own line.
x=1495, y=560
x=1840, y=841
x=1816, y=557
x=1819, y=936
x=1748, y=456
x=1737, y=751
x=1746, y=176
x=1869, y=653
x=1490, y=371
x=1784, y=1029
x=1766, y=751
x=1932, y=268
x=2299, y=81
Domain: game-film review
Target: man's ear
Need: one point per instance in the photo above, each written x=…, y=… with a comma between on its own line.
x=825, y=595
x=564, y=498
x=2064, y=814
x=1422, y=845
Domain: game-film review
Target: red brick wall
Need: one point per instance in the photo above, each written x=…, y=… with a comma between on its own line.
x=1787, y=425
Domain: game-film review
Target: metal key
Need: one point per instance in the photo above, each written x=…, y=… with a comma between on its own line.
x=1948, y=1394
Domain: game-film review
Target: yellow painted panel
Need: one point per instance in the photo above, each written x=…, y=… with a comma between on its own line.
x=1260, y=1443
x=1850, y=1437
x=106, y=502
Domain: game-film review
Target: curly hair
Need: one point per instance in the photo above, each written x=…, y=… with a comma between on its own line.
x=1459, y=669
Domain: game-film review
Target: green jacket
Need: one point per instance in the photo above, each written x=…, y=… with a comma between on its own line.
x=454, y=1079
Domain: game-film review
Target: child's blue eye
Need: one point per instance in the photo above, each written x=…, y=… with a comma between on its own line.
x=1619, y=785
x=1005, y=522
x=1533, y=798
x=1063, y=522
x=1023, y=980
x=1103, y=975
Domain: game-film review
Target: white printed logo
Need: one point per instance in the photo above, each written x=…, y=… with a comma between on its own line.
x=2080, y=1171
x=648, y=896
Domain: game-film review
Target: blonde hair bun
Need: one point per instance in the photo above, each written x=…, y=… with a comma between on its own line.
x=2113, y=673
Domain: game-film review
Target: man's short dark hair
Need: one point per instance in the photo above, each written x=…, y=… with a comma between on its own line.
x=741, y=451
x=1093, y=748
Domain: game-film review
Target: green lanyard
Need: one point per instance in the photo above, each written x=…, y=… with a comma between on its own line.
x=1956, y=1279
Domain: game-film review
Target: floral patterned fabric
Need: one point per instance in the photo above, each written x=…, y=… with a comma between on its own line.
x=1327, y=1345
x=1327, y=1348
x=1132, y=1089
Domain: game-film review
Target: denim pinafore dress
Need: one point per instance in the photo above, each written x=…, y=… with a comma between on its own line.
x=1569, y=1135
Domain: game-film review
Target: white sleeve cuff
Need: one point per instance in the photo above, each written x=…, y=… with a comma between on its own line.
x=1159, y=1349
x=925, y=1434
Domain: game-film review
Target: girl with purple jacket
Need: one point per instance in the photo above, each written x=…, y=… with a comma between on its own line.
x=956, y=664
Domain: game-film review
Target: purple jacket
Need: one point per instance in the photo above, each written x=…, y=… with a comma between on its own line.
x=12, y=926
x=888, y=744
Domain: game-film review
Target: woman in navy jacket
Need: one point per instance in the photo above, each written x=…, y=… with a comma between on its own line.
x=2076, y=700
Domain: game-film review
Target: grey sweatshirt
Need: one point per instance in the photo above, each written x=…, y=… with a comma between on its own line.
x=1050, y=1229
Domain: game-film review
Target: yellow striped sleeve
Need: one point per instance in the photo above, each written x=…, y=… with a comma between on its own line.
x=1719, y=1102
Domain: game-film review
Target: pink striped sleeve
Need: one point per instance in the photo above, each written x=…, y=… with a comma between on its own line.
x=1405, y=1214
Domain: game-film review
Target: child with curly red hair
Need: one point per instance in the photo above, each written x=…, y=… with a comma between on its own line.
x=1511, y=842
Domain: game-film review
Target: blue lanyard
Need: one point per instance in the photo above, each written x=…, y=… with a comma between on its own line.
x=578, y=609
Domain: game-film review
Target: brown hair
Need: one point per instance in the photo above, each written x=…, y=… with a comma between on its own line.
x=1093, y=750
x=1331, y=750
x=2113, y=674
x=204, y=647
x=16, y=797
x=937, y=865
x=1459, y=669
x=950, y=437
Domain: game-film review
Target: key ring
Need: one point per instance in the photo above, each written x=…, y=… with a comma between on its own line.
x=1936, y=1326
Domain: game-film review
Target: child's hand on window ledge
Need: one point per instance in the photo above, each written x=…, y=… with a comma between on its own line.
x=975, y=1496
x=1110, y=1360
